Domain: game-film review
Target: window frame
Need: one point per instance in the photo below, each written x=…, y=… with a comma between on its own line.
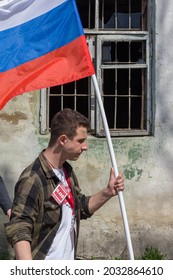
x=119, y=38
x=94, y=38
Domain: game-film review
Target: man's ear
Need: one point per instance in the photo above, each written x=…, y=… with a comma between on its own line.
x=62, y=139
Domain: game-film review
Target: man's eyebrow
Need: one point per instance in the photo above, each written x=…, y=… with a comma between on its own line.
x=82, y=139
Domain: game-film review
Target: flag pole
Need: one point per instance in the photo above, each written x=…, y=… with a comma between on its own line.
x=120, y=194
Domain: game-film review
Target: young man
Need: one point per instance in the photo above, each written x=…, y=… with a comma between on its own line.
x=48, y=204
x=5, y=201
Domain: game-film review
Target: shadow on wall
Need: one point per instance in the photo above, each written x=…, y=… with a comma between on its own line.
x=8, y=179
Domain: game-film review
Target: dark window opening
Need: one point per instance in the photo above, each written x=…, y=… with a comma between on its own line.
x=123, y=52
x=87, y=13
x=72, y=95
x=122, y=14
x=119, y=43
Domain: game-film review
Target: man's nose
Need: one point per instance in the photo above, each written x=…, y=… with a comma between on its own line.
x=85, y=146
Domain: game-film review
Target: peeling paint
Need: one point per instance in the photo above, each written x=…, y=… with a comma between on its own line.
x=135, y=153
x=13, y=118
x=131, y=172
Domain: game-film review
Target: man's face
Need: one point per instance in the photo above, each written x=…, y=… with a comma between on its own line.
x=74, y=148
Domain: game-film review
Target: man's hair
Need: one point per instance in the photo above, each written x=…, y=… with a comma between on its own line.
x=66, y=122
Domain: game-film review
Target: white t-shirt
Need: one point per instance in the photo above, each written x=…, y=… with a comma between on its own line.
x=62, y=247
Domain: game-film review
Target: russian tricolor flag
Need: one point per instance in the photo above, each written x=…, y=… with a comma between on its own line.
x=42, y=44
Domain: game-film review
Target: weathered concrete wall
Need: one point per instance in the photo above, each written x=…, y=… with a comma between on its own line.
x=18, y=143
x=146, y=162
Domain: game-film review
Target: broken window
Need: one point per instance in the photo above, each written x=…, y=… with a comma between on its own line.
x=118, y=34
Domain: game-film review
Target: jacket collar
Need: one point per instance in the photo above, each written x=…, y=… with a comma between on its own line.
x=47, y=168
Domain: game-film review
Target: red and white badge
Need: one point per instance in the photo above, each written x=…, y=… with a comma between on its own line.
x=60, y=193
